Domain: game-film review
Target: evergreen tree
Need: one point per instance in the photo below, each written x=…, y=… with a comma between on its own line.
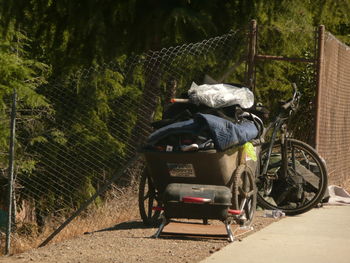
x=20, y=73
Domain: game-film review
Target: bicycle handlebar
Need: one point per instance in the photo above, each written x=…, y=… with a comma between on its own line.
x=293, y=103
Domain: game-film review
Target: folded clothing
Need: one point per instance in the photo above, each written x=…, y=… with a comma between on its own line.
x=224, y=133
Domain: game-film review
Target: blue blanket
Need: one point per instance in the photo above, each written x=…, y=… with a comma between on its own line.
x=224, y=133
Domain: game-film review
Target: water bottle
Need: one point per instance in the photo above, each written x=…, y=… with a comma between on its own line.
x=274, y=213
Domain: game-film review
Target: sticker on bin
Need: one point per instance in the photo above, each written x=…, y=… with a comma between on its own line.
x=181, y=169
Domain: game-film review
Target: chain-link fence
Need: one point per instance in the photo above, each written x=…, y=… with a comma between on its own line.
x=333, y=138
x=76, y=162
x=75, y=153
x=282, y=58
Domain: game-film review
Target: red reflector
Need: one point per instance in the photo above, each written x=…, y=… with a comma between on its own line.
x=234, y=212
x=195, y=200
x=157, y=208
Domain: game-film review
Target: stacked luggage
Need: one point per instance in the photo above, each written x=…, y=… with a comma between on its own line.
x=201, y=159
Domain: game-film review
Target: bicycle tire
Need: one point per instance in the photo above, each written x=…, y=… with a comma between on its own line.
x=147, y=200
x=313, y=188
x=244, y=193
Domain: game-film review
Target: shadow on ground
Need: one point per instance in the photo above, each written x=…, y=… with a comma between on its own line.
x=123, y=226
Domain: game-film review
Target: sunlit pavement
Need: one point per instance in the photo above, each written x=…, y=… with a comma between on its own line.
x=321, y=235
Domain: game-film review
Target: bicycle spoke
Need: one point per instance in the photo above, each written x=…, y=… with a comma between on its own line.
x=150, y=207
x=148, y=195
x=248, y=210
x=293, y=157
x=249, y=194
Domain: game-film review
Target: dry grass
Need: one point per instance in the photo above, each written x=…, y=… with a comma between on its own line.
x=121, y=206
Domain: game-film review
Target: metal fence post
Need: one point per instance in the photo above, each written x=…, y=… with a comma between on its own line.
x=251, y=55
x=319, y=69
x=11, y=169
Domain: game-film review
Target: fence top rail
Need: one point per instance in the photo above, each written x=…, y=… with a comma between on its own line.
x=281, y=58
x=331, y=36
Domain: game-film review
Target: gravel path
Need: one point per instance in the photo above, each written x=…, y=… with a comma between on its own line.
x=129, y=242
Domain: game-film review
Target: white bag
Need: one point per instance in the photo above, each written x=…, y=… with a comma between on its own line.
x=221, y=95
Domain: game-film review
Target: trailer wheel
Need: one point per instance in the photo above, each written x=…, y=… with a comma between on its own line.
x=244, y=193
x=148, y=200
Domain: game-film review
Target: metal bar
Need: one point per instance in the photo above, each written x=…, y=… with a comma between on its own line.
x=89, y=201
x=165, y=221
x=171, y=90
x=281, y=58
x=231, y=237
x=11, y=169
x=256, y=52
x=272, y=142
x=320, y=59
x=251, y=55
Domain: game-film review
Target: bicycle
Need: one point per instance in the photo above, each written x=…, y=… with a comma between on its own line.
x=292, y=177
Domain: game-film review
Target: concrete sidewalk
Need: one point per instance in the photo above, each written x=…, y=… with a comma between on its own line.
x=321, y=235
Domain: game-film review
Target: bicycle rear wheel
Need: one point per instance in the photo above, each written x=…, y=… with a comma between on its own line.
x=305, y=183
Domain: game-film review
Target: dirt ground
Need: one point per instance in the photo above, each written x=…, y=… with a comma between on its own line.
x=131, y=242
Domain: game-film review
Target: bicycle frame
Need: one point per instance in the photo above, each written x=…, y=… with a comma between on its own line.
x=278, y=125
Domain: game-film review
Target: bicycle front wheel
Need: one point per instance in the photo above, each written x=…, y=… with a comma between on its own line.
x=298, y=190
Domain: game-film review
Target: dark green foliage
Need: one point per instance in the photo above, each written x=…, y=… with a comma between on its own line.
x=21, y=73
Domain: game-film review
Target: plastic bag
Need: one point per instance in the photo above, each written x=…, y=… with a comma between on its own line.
x=249, y=151
x=274, y=213
x=220, y=95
